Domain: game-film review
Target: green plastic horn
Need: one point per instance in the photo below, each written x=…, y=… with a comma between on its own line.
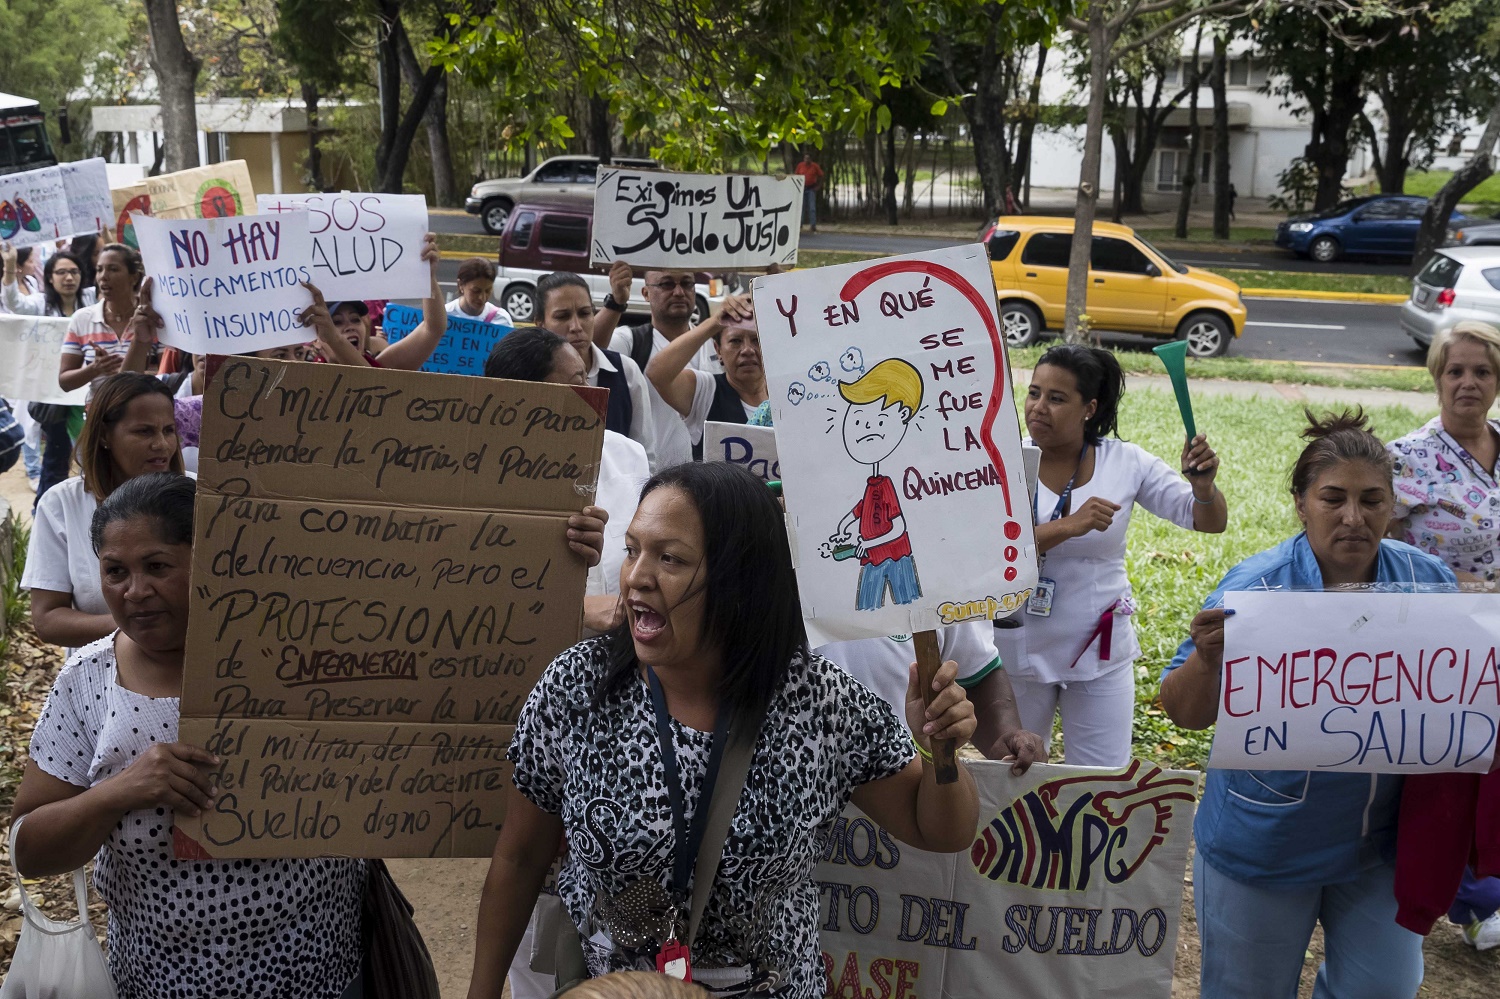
x=1174, y=356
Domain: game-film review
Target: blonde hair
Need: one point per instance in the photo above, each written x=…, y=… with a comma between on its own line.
x=893, y=380
x=634, y=985
x=1469, y=330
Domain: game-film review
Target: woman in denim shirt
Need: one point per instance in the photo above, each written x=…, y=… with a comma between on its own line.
x=1280, y=851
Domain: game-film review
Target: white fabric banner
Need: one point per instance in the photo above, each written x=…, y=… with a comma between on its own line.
x=1072, y=887
x=694, y=221
x=364, y=245
x=1361, y=682
x=29, y=351
x=899, y=443
x=228, y=285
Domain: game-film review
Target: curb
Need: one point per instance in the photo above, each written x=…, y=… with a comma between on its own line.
x=1369, y=297
x=459, y=212
x=460, y=255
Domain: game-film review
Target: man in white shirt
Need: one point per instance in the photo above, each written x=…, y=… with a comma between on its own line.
x=566, y=307
x=884, y=665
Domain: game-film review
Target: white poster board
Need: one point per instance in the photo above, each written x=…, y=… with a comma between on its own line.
x=695, y=221
x=1072, y=887
x=1359, y=682
x=29, y=351
x=228, y=285
x=34, y=207
x=754, y=448
x=90, y=205
x=896, y=423
x=364, y=245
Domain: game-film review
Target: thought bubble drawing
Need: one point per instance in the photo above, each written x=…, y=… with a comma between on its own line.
x=795, y=393
x=820, y=372
x=852, y=360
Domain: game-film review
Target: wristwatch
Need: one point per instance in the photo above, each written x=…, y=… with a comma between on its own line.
x=611, y=304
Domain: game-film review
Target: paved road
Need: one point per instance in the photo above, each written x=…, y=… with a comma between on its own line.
x=879, y=242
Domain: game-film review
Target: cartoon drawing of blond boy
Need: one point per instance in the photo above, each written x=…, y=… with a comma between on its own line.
x=882, y=403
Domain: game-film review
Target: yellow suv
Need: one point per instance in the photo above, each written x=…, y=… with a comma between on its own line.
x=1133, y=287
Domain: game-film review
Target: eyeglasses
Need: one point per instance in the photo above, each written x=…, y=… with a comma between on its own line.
x=667, y=287
x=65, y=272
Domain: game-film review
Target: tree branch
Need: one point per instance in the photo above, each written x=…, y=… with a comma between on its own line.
x=1221, y=7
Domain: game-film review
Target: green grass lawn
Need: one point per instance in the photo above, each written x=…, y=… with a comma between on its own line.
x=1172, y=570
x=1427, y=182
x=1382, y=284
x=1237, y=234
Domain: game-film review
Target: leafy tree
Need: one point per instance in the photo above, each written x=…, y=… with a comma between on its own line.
x=176, y=69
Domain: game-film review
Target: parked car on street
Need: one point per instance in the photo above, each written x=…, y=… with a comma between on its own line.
x=542, y=237
x=1475, y=232
x=1376, y=225
x=561, y=178
x=1133, y=287
x=1458, y=283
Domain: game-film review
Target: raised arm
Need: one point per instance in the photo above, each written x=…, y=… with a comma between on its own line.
x=412, y=351
x=13, y=298
x=668, y=369
x=334, y=348
x=141, y=328
x=1190, y=693
x=1210, y=508
x=606, y=320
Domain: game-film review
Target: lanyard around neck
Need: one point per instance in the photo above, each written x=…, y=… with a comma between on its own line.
x=1066, y=495
x=687, y=839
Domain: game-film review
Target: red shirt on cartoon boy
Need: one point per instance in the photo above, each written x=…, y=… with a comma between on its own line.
x=876, y=512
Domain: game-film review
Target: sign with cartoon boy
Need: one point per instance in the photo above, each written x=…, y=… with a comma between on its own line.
x=899, y=445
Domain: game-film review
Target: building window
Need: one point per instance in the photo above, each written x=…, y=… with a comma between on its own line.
x=1238, y=71
x=1171, y=164
x=217, y=144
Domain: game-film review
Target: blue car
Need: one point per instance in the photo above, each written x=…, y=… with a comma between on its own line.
x=1380, y=225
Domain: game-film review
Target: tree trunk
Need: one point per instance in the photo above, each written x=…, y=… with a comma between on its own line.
x=1190, y=176
x=601, y=129
x=439, y=151
x=176, y=71
x=909, y=194
x=1391, y=165
x=388, y=81
x=1021, y=168
x=1346, y=100
x=1216, y=81
x=1464, y=180
x=1088, y=173
x=892, y=217
x=314, y=150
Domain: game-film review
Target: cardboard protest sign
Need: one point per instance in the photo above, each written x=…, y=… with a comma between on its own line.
x=364, y=245
x=380, y=574
x=738, y=444
x=34, y=207
x=219, y=190
x=1073, y=887
x=463, y=348
x=650, y=218
x=1360, y=682
x=899, y=443
x=229, y=286
x=29, y=351
x=90, y=206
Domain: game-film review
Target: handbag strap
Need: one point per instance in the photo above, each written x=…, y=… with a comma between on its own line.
x=721, y=808
x=80, y=883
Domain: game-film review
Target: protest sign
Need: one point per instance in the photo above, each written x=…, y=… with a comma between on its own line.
x=738, y=444
x=380, y=574
x=463, y=348
x=364, y=245
x=90, y=207
x=228, y=286
x=1360, y=682
x=899, y=444
x=219, y=190
x=649, y=218
x=29, y=351
x=1072, y=887
x=34, y=207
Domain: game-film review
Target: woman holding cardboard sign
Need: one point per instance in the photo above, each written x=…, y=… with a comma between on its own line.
x=1075, y=647
x=1279, y=851
x=702, y=728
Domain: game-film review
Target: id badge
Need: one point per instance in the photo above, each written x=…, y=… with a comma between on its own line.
x=674, y=962
x=1040, y=603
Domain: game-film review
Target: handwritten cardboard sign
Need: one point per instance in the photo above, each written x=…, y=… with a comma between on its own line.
x=752, y=447
x=694, y=221
x=380, y=574
x=1072, y=887
x=899, y=444
x=219, y=190
x=29, y=351
x=34, y=207
x=90, y=206
x=229, y=286
x=1361, y=682
x=364, y=245
x=464, y=346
